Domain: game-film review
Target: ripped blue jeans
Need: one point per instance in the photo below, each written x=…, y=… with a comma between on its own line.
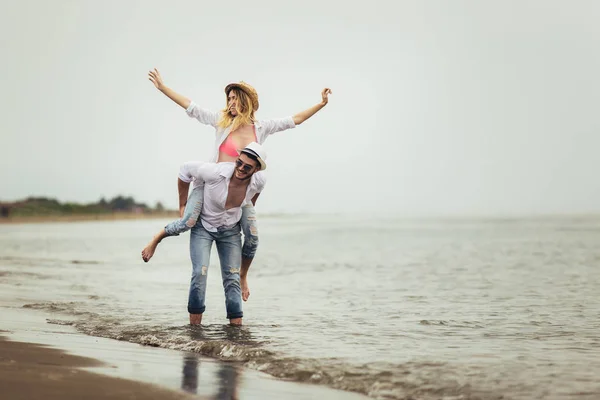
x=229, y=246
x=191, y=215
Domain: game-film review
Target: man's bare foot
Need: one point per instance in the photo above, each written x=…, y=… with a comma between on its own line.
x=195, y=319
x=235, y=321
x=245, y=289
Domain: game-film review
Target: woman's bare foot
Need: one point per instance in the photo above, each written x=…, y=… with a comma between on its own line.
x=245, y=289
x=149, y=250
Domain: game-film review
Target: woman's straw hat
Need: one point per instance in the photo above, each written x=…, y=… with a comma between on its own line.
x=249, y=90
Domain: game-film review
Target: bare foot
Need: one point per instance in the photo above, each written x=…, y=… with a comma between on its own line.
x=235, y=321
x=195, y=319
x=148, y=251
x=245, y=289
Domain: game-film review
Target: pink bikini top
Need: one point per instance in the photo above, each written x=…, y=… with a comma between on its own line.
x=229, y=147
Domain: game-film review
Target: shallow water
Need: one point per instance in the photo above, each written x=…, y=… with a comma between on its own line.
x=451, y=309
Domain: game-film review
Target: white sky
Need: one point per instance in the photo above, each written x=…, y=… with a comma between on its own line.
x=438, y=107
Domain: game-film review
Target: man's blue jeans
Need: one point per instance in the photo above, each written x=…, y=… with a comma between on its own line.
x=229, y=247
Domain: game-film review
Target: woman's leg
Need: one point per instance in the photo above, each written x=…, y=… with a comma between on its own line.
x=189, y=219
x=250, y=229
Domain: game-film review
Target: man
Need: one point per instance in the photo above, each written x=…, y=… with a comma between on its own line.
x=228, y=186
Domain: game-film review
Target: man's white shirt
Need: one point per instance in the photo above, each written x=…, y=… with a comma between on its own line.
x=216, y=177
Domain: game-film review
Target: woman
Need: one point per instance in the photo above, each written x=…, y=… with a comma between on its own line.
x=236, y=127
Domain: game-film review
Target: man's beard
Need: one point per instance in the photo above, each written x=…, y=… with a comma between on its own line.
x=244, y=179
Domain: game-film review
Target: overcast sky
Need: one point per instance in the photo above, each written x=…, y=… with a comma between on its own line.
x=438, y=107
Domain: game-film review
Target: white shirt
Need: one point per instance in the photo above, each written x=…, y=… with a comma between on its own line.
x=264, y=128
x=216, y=178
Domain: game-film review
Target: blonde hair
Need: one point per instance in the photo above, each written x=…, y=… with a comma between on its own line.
x=245, y=111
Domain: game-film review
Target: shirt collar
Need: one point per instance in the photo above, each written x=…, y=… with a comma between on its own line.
x=226, y=169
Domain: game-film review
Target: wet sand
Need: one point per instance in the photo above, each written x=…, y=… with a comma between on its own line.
x=43, y=359
x=32, y=371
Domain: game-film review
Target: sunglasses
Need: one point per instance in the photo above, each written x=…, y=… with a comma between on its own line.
x=246, y=167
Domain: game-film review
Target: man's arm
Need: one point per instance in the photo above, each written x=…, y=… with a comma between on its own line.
x=260, y=181
x=191, y=170
x=183, y=190
x=306, y=114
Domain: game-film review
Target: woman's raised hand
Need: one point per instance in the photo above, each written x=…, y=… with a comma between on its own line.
x=156, y=79
x=326, y=92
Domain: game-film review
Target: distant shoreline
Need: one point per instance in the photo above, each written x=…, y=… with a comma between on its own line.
x=88, y=217
x=173, y=214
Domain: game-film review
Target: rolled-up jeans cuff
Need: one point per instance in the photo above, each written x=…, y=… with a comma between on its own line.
x=249, y=254
x=235, y=315
x=250, y=245
x=200, y=310
x=250, y=228
x=175, y=228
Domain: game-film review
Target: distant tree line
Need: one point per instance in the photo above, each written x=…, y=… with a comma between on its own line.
x=43, y=206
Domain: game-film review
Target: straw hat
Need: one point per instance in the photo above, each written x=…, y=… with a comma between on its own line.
x=249, y=90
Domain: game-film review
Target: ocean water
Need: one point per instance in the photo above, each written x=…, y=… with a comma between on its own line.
x=394, y=309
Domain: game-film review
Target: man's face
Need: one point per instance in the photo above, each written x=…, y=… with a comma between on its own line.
x=232, y=101
x=245, y=167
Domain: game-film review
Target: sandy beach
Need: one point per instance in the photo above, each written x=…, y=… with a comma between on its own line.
x=33, y=371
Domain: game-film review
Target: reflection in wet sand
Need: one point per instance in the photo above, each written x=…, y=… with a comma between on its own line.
x=189, y=378
x=227, y=375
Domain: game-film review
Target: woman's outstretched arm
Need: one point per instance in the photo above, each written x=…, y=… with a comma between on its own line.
x=306, y=114
x=156, y=79
x=204, y=116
